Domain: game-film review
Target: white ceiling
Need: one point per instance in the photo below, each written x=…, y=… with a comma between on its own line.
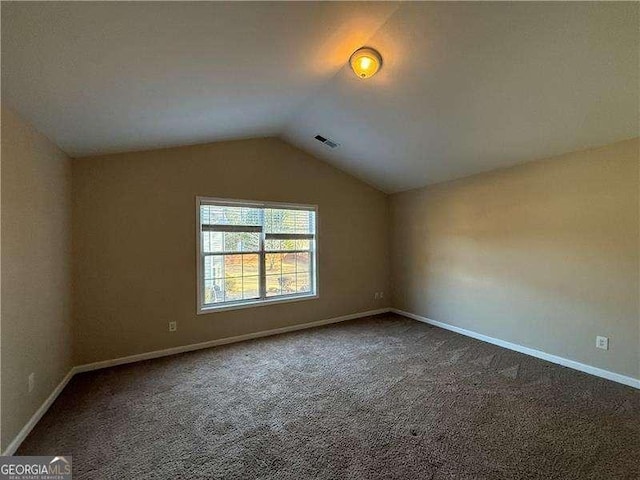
x=465, y=87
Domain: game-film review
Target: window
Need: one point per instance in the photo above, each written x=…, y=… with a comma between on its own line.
x=253, y=253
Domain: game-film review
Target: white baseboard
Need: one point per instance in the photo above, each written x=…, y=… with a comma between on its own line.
x=13, y=446
x=599, y=372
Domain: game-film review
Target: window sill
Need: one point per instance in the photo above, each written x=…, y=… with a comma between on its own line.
x=257, y=303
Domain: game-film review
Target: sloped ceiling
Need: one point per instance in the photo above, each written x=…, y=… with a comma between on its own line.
x=465, y=87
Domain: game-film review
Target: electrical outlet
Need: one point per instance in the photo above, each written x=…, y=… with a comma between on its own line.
x=602, y=342
x=173, y=326
x=376, y=295
x=32, y=381
x=381, y=294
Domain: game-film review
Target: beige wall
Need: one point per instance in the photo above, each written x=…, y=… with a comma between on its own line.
x=543, y=254
x=36, y=268
x=134, y=242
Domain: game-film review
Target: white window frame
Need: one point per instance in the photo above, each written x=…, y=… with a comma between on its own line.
x=203, y=308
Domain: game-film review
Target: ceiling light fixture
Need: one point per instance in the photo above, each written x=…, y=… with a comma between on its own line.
x=365, y=62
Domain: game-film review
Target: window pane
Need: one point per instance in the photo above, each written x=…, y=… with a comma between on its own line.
x=273, y=263
x=213, y=266
x=218, y=242
x=271, y=245
x=208, y=291
x=250, y=265
x=232, y=266
x=288, y=283
x=214, y=290
x=302, y=262
x=250, y=287
x=303, y=244
x=273, y=285
x=232, y=289
x=303, y=282
x=279, y=245
x=288, y=263
x=212, y=242
x=241, y=241
x=286, y=244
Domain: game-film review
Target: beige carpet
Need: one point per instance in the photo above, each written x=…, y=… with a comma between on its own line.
x=384, y=397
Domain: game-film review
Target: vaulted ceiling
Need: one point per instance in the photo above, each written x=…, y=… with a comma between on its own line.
x=464, y=88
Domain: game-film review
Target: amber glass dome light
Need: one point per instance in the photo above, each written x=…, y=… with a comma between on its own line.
x=365, y=62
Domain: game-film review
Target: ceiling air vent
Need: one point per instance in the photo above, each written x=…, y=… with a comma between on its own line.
x=328, y=142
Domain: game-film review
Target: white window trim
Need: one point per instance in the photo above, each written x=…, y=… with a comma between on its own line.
x=203, y=309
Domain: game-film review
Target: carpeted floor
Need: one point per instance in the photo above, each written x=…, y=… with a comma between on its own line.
x=383, y=397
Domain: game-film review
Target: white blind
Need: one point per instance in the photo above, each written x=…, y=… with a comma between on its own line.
x=221, y=215
x=287, y=221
